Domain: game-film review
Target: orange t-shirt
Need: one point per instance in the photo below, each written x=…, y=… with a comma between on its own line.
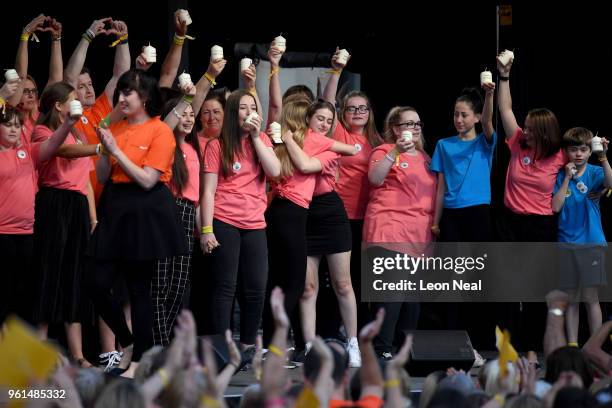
x=57, y=172
x=529, y=182
x=18, y=187
x=92, y=116
x=240, y=199
x=299, y=187
x=401, y=210
x=368, y=401
x=191, y=190
x=353, y=185
x=150, y=144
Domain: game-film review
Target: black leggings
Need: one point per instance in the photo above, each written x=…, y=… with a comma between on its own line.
x=287, y=258
x=468, y=224
x=16, y=296
x=138, y=274
x=241, y=259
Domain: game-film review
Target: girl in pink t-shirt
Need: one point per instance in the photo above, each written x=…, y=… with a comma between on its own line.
x=65, y=217
x=172, y=274
x=355, y=127
x=18, y=165
x=233, y=225
x=401, y=210
x=535, y=160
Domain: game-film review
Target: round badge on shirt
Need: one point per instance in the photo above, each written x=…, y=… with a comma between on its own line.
x=84, y=120
x=526, y=160
x=21, y=154
x=582, y=187
x=568, y=193
x=357, y=147
x=404, y=165
x=237, y=166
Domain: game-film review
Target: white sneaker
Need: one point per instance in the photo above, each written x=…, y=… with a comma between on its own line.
x=111, y=359
x=479, y=360
x=354, y=353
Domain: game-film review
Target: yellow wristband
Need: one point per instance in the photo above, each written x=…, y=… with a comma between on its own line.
x=253, y=91
x=609, y=193
x=25, y=36
x=207, y=229
x=188, y=99
x=210, y=79
x=392, y=383
x=275, y=350
x=164, y=376
x=572, y=344
x=209, y=401
x=335, y=71
x=178, y=40
x=602, y=159
x=119, y=40
x=273, y=72
x=2, y=101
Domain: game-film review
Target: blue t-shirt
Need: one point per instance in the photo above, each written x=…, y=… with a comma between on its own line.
x=466, y=166
x=580, y=218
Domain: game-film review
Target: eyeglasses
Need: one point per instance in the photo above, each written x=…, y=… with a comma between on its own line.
x=411, y=125
x=360, y=109
x=30, y=91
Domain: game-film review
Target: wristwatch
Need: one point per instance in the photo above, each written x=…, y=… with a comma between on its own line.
x=556, y=311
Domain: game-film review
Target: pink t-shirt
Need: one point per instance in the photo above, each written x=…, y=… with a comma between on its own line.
x=299, y=187
x=401, y=210
x=326, y=180
x=529, y=183
x=353, y=185
x=18, y=187
x=65, y=174
x=191, y=190
x=240, y=199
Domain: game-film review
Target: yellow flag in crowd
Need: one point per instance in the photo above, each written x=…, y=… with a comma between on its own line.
x=507, y=353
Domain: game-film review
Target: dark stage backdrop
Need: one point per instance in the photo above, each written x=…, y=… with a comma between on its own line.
x=410, y=55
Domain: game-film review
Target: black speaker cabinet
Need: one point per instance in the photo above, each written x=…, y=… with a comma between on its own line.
x=434, y=350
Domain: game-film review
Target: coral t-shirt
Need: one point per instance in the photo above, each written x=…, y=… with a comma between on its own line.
x=191, y=190
x=58, y=172
x=353, y=185
x=240, y=199
x=18, y=186
x=529, y=182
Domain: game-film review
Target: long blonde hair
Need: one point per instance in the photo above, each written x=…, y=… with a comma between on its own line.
x=293, y=118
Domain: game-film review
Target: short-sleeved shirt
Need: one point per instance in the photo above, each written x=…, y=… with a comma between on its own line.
x=466, y=166
x=240, y=199
x=368, y=401
x=580, y=217
x=150, y=144
x=299, y=187
x=529, y=182
x=353, y=185
x=58, y=172
x=27, y=126
x=191, y=190
x=18, y=186
x=92, y=116
x=401, y=210
x=326, y=179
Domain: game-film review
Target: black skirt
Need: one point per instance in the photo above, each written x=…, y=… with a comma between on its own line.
x=328, y=230
x=135, y=224
x=61, y=235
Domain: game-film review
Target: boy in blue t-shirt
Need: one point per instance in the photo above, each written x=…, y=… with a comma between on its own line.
x=580, y=225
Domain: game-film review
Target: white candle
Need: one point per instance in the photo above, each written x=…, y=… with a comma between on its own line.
x=275, y=127
x=216, y=53
x=506, y=57
x=596, y=145
x=11, y=75
x=184, y=80
x=280, y=42
x=185, y=17
x=249, y=119
x=343, y=56
x=486, y=77
x=150, y=53
x=407, y=136
x=245, y=63
x=76, y=109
